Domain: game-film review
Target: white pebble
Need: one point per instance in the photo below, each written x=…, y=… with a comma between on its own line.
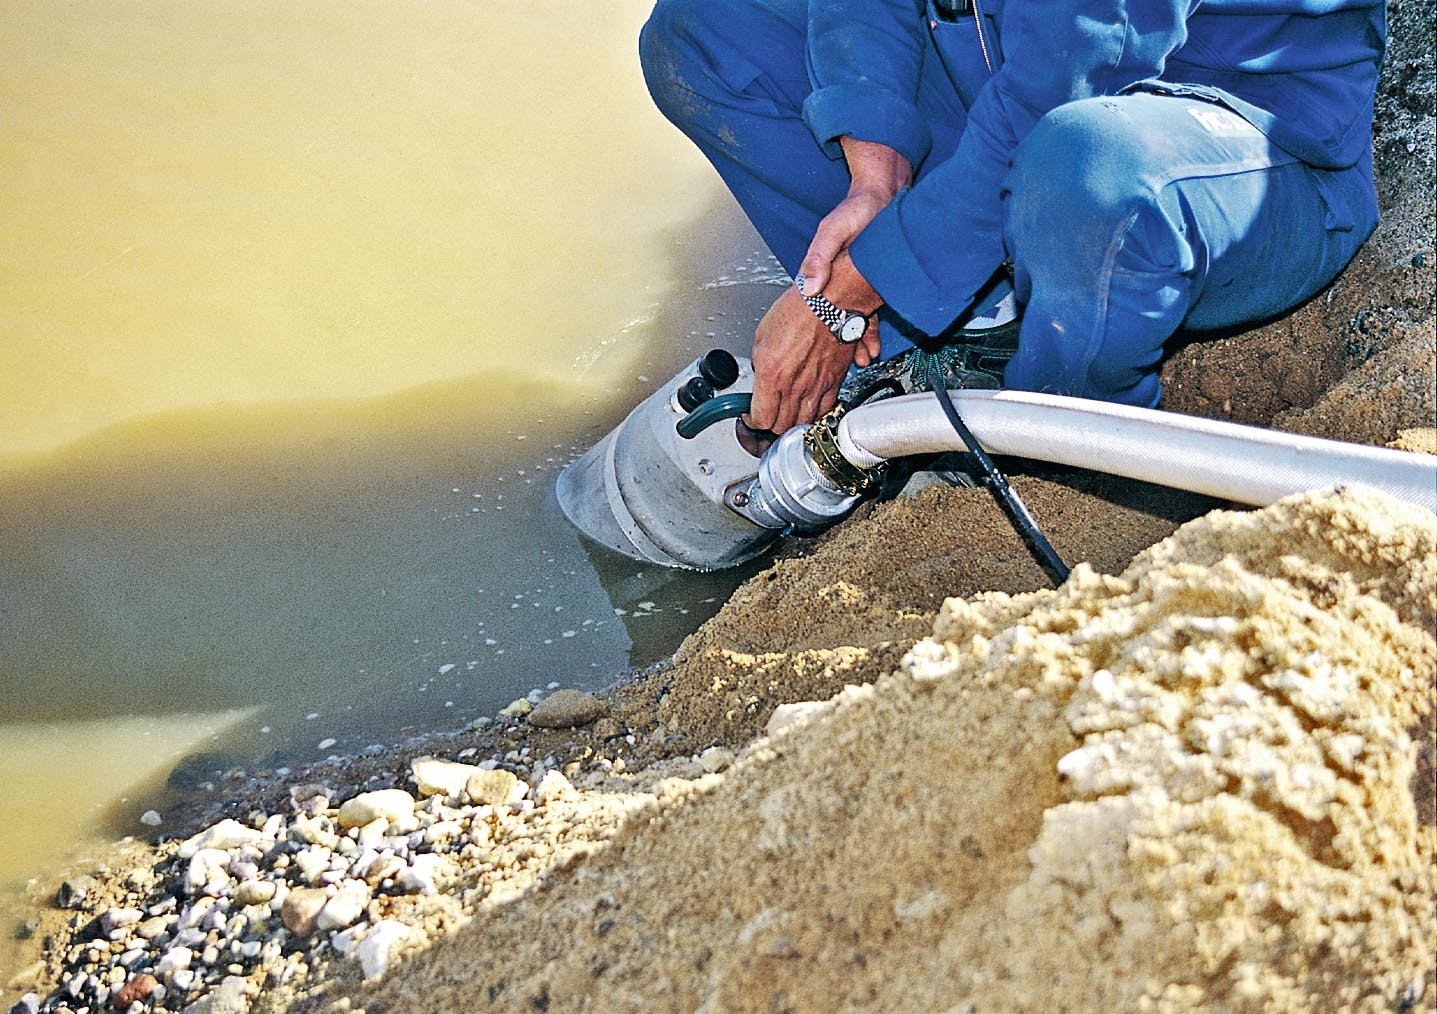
x=227, y=834
x=388, y=804
x=376, y=947
x=207, y=872
x=117, y=917
x=345, y=908
x=174, y=960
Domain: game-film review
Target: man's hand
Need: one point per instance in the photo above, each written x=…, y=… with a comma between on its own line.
x=798, y=364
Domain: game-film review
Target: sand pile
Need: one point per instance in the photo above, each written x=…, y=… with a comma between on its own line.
x=1186, y=785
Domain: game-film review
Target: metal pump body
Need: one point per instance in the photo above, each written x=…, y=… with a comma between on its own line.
x=701, y=501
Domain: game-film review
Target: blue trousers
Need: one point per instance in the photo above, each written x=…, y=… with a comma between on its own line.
x=1125, y=217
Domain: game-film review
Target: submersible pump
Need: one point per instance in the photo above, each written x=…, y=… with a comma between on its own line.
x=672, y=485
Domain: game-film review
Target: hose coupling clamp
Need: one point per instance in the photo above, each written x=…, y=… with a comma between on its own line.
x=821, y=442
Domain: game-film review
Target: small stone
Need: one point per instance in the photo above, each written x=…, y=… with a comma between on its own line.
x=423, y=875
x=387, y=804
x=715, y=758
x=312, y=863
x=346, y=941
x=491, y=788
x=254, y=892
x=566, y=709
x=137, y=990
x=301, y=908
x=553, y=786
x=27, y=1004
x=309, y=798
x=517, y=709
x=436, y=777
x=345, y=908
x=151, y=928
x=313, y=830
x=73, y=892
x=176, y=959
x=371, y=834
x=378, y=945
x=151, y=818
x=227, y=834
x=115, y=918
x=382, y=869
x=207, y=872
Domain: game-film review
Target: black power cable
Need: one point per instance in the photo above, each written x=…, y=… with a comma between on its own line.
x=1012, y=505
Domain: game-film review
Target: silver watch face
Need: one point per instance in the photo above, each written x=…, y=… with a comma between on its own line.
x=853, y=328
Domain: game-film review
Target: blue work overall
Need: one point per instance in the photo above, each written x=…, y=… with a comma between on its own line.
x=1124, y=216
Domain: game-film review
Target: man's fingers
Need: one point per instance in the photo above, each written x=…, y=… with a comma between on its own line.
x=763, y=409
x=872, y=343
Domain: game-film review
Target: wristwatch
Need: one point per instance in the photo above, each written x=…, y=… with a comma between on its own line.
x=846, y=325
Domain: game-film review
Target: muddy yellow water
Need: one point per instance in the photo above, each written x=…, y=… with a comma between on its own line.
x=302, y=307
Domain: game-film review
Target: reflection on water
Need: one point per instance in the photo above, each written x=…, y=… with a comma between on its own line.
x=304, y=306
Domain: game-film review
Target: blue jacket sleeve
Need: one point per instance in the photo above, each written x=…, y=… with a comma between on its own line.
x=933, y=248
x=864, y=61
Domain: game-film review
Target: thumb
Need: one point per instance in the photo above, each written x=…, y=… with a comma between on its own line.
x=818, y=262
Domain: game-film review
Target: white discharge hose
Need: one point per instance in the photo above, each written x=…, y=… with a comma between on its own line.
x=1240, y=463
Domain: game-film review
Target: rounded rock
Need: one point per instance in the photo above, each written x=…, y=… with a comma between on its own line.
x=377, y=946
x=491, y=788
x=566, y=709
x=436, y=777
x=345, y=908
x=386, y=804
x=715, y=759
x=227, y=834
x=137, y=990
x=152, y=927
x=73, y=892
x=254, y=892
x=301, y=908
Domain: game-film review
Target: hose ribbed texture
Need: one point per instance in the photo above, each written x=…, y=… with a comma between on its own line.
x=1245, y=464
